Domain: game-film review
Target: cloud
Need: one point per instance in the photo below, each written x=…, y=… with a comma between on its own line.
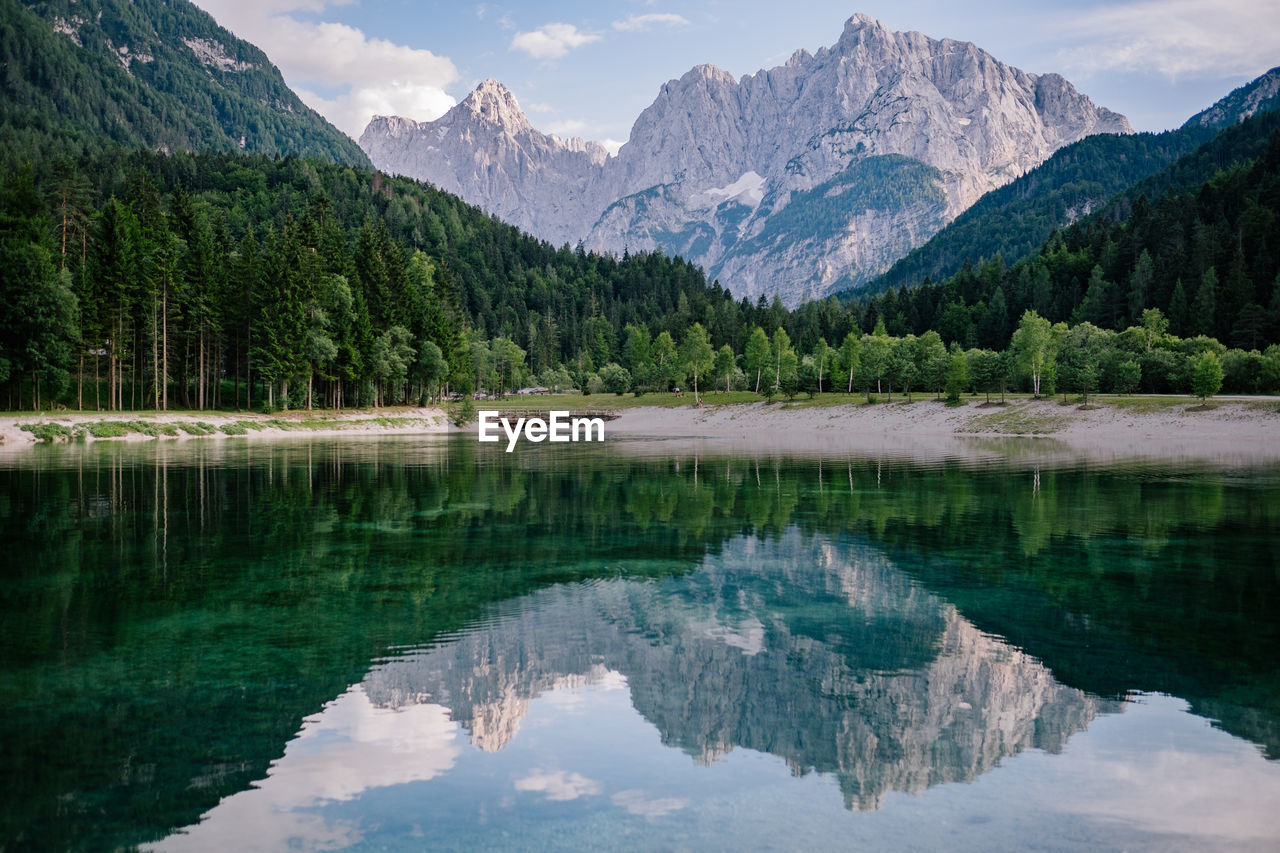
x=350, y=112
x=373, y=75
x=351, y=747
x=551, y=41
x=1174, y=38
x=567, y=127
x=637, y=803
x=653, y=19
x=559, y=786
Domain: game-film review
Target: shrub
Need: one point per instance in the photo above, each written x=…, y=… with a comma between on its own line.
x=47, y=432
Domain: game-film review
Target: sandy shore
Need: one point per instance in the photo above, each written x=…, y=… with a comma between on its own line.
x=1233, y=432
x=403, y=421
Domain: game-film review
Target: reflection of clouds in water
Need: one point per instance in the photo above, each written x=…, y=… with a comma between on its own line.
x=1161, y=769
x=573, y=699
x=559, y=786
x=637, y=803
x=348, y=748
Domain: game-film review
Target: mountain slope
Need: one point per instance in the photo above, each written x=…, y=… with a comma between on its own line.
x=486, y=146
x=1196, y=240
x=153, y=74
x=1016, y=219
x=790, y=181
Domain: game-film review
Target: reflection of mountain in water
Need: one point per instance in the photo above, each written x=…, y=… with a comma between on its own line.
x=825, y=655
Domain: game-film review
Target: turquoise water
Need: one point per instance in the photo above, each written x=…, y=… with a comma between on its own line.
x=407, y=643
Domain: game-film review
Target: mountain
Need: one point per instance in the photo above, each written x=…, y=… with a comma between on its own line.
x=795, y=180
x=1195, y=240
x=486, y=146
x=80, y=74
x=1016, y=219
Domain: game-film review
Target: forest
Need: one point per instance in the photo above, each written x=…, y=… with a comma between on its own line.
x=143, y=280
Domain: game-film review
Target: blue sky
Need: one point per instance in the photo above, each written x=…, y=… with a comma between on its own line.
x=589, y=68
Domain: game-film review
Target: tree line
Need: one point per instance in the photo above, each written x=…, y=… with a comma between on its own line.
x=143, y=280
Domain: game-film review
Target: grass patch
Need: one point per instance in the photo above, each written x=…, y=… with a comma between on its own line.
x=253, y=425
x=234, y=429
x=1143, y=405
x=1017, y=422
x=107, y=429
x=1203, y=407
x=196, y=427
x=48, y=432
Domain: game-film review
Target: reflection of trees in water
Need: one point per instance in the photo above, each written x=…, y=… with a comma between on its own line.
x=825, y=655
x=219, y=591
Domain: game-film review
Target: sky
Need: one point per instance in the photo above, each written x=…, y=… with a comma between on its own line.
x=589, y=68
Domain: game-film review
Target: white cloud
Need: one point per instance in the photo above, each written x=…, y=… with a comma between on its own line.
x=551, y=41
x=644, y=22
x=1174, y=38
x=559, y=786
x=567, y=127
x=349, y=748
x=638, y=803
x=612, y=145
x=350, y=112
x=379, y=76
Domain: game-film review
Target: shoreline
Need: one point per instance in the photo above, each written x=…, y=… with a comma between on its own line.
x=183, y=426
x=1238, y=431
x=1230, y=431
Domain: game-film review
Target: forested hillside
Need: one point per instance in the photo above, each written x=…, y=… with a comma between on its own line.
x=1206, y=254
x=145, y=279
x=207, y=269
x=140, y=280
x=1077, y=180
x=79, y=75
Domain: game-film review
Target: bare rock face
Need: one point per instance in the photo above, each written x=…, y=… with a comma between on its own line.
x=796, y=180
x=486, y=151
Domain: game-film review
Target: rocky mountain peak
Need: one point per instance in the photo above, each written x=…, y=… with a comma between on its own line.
x=494, y=103
x=795, y=180
x=1259, y=95
x=860, y=24
x=710, y=74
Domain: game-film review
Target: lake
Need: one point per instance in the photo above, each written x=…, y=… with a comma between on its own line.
x=408, y=643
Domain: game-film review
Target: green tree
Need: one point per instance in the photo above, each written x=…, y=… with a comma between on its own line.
x=851, y=357
x=933, y=360
x=615, y=378
x=432, y=368
x=1033, y=347
x=904, y=369
x=392, y=358
x=1206, y=375
x=957, y=376
x=1204, y=310
x=876, y=348
x=666, y=361
x=757, y=354
x=724, y=365
x=986, y=368
x=1128, y=375
x=782, y=358
x=697, y=355
x=636, y=357
x=821, y=358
